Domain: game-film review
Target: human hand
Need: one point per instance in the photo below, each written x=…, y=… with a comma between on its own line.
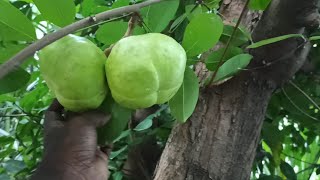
x=70, y=146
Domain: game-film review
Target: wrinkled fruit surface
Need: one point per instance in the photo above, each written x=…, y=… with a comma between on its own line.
x=145, y=70
x=73, y=68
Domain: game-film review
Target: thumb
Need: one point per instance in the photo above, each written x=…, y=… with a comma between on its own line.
x=100, y=165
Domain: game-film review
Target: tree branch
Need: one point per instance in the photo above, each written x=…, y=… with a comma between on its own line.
x=14, y=62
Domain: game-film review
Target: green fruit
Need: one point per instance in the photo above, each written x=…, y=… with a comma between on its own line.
x=145, y=70
x=73, y=68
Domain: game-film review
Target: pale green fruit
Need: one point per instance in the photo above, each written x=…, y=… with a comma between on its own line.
x=145, y=70
x=73, y=68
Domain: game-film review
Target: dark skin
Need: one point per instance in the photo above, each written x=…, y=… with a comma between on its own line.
x=70, y=146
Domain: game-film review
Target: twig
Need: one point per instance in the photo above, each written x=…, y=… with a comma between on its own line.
x=277, y=60
x=229, y=41
x=106, y=21
x=305, y=94
x=15, y=115
x=298, y=159
x=131, y=24
x=311, y=167
x=14, y=62
x=297, y=107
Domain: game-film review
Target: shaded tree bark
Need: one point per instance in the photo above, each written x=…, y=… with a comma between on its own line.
x=220, y=139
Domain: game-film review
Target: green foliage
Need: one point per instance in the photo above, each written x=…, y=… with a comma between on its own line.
x=59, y=12
x=20, y=76
x=7, y=50
x=273, y=40
x=288, y=171
x=112, y=32
x=158, y=16
x=232, y=66
x=120, y=117
x=213, y=59
x=14, y=25
x=202, y=33
x=184, y=102
x=240, y=37
x=259, y=4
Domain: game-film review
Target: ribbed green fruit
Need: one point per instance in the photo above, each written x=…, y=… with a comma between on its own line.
x=145, y=70
x=73, y=68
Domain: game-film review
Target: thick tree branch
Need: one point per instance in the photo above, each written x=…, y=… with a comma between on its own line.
x=19, y=58
x=285, y=59
x=220, y=139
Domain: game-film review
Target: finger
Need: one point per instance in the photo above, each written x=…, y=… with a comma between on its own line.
x=53, y=117
x=101, y=156
x=107, y=149
x=100, y=165
x=92, y=118
x=56, y=106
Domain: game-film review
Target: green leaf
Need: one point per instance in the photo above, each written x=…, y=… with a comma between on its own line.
x=9, y=50
x=113, y=31
x=270, y=177
x=196, y=11
x=259, y=4
x=232, y=66
x=214, y=58
x=145, y=124
x=314, y=38
x=123, y=134
x=14, y=81
x=5, y=140
x=120, y=3
x=59, y=12
x=185, y=100
x=158, y=16
x=273, y=40
x=117, y=153
x=288, y=171
x=120, y=117
x=202, y=33
x=177, y=22
x=87, y=7
x=240, y=37
x=117, y=175
x=212, y=3
x=14, y=26
x=274, y=139
x=7, y=97
x=31, y=99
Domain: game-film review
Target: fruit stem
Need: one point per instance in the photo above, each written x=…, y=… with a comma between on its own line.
x=135, y=18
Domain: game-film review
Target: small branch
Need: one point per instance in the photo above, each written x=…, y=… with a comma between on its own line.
x=297, y=107
x=311, y=167
x=298, y=159
x=14, y=62
x=305, y=94
x=108, y=50
x=131, y=24
x=15, y=115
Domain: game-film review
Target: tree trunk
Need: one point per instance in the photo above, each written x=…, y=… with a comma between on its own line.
x=220, y=139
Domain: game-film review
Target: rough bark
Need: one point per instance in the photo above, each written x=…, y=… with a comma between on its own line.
x=220, y=139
